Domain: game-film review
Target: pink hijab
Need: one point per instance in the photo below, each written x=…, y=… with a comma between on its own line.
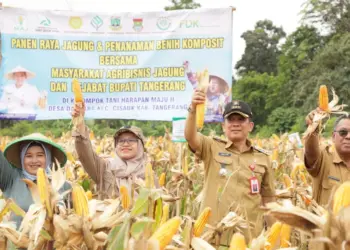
x=127, y=171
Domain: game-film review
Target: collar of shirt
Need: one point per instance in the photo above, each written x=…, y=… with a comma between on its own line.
x=230, y=144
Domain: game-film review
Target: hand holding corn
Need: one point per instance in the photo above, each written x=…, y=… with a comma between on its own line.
x=79, y=107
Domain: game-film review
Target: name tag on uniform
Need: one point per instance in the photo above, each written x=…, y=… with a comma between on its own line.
x=224, y=154
x=254, y=185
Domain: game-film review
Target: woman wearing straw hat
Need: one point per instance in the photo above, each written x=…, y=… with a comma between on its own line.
x=20, y=97
x=21, y=160
x=109, y=174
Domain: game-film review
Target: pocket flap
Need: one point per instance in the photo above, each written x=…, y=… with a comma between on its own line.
x=223, y=159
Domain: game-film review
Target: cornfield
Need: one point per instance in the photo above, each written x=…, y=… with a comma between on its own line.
x=167, y=217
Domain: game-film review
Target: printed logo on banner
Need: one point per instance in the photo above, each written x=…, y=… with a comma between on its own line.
x=75, y=22
x=138, y=24
x=189, y=24
x=97, y=22
x=21, y=23
x=115, y=23
x=46, y=22
x=163, y=23
x=45, y=25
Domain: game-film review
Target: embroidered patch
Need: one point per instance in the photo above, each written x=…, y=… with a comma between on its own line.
x=224, y=154
x=333, y=178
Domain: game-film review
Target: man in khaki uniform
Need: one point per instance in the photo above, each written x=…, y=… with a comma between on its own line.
x=237, y=174
x=328, y=167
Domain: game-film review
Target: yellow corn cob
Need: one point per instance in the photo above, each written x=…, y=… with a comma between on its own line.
x=287, y=181
x=285, y=235
x=201, y=221
x=149, y=176
x=238, y=242
x=125, y=197
x=185, y=161
x=89, y=194
x=323, y=98
x=275, y=155
x=203, y=82
x=165, y=232
x=80, y=201
x=44, y=191
x=341, y=197
x=165, y=214
x=162, y=180
x=293, y=173
x=303, y=178
x=273, y=235
x=78, y=96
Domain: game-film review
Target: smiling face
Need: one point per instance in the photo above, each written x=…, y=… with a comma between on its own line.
x=341, y=137
x=237, y=127
x=34, y=159
x=127, y=145
x=20, y=77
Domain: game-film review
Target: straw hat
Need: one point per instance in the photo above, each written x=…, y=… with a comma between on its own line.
x=223, y=84
x=12, y=151
x=19, y=69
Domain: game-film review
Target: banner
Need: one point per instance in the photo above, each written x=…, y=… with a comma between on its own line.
x=139, y=66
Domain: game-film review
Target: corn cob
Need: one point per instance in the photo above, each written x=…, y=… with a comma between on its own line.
x=78, y=96
x=44, y=191
x=165, y=214
x=323, y=98
x=201, y=221
x=89, y=194
x=303, y=178
x=149, y=176
x=165, y=232
x=273, y=235
x=80, y=201
x=203, y=82
x=125, y=197
x=341, y=197
x=287, y=181
x=285, y=235
x=275, y=155
x=293, y=173
x=238, y=242
x=162, y=180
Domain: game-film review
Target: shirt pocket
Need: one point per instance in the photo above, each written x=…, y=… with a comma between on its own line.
x=223, y=162
x=330, y=182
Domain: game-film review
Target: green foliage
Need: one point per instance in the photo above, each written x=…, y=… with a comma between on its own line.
x=183, y=4
x=261, y=52
x=281, y=120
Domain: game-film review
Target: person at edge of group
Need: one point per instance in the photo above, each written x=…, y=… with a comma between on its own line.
x=20, y=97
x=328, y=165
x=20, y=160
x=110, y=173
x=246, y=168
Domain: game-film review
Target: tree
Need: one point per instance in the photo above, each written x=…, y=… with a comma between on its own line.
x=329, y=67
x=183, y=4
x=261, y=52
x=297, y=53
x=261, y=92
x=332, y=14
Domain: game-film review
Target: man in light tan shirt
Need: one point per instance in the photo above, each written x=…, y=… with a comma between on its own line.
x=328, y=167
x=237, y=174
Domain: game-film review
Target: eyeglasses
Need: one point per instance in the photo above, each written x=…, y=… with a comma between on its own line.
x=129, y=141
x=342, y=132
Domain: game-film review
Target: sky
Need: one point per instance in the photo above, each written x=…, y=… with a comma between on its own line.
x=283, y=13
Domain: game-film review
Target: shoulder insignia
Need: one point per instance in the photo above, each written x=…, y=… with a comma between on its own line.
x=220, y=139
x=261, y=150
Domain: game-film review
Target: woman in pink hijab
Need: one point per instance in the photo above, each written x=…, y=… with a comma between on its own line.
x=109, y=174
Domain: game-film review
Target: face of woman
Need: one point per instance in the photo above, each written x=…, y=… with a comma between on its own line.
x=34, y=159
x=127, y=145
x=20, y=77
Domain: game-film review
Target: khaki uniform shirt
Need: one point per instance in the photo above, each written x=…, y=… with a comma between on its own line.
x=216, y=154
x=328, y=172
